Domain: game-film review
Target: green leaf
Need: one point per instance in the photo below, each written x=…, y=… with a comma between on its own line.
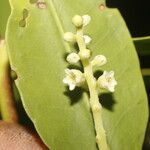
x=4, y=14
x=142, y=45
x=36, y=51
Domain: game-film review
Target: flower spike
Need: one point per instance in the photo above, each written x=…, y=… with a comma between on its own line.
x=75, y=78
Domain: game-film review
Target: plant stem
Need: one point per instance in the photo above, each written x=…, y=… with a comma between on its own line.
x=145, y=71
x=7, y=104
x=94, y=100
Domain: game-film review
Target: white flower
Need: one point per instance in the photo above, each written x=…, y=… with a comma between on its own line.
x=87, y=39
x=77, y=21
x=73, y=78
x=99, y=60
x=69, y=37
x=73, y=58
x=86, y=19
x=107, y=81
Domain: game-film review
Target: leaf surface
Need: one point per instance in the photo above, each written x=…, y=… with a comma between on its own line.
x=36, y=51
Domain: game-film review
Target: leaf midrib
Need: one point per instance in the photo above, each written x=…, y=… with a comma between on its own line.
x=58, y=23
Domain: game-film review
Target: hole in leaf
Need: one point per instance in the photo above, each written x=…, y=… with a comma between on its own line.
x=22, y=22
x=25, y=13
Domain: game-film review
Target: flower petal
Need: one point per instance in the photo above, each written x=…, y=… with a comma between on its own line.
x=87, y=39
x=86, y=19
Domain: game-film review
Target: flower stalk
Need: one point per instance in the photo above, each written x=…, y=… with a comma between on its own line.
x=7, y=104
x=94, y=100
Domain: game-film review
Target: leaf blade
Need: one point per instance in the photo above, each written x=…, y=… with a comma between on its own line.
x=111, y=38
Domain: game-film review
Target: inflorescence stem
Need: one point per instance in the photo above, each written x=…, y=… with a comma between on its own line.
x=94, y=100
x=75, y=77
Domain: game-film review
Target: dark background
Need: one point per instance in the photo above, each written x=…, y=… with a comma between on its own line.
x=136, y=14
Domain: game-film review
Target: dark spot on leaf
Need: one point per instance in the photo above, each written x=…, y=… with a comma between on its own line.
x=107, y=100
x=102, y=6
x=41, y=4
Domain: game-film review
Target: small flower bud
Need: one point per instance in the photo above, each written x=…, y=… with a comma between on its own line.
x=85, y=54
x=69, y=37
x=77, y=21
x=99, y=60
x=73, y=58
x=86, y=19
x=87, y=39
